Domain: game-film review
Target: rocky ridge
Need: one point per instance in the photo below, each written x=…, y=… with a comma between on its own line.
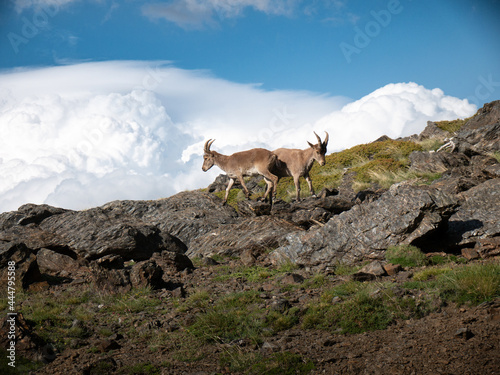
x=124, y=245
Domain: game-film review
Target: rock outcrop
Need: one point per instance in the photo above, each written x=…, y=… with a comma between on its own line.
x=404, y=214
x=125, y=244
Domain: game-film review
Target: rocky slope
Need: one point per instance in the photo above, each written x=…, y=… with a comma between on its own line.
x=127, y=245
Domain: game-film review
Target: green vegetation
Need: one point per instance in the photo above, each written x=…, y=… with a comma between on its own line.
x=285, y=363
x=406, y=256
x=496, y=155
x=355, y=307
x=209, y=319
x=473, y=283
x=452, y=126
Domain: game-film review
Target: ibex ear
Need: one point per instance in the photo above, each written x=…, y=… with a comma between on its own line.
x=310, y=144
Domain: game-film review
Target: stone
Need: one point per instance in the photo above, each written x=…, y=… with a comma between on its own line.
x=481, y=134
x=477, y=216
x=146, y=274
x=106, y=345
x=292, y=278
x=375, y=268
x=186, y=215
x=392, y=269
x=56, y=264
x=432, y=131
x=469, y=254
x=254, y=208
x=26, y=266
x=464, y=333
x=255, y=234
x=488, y=247
x=366, y=230
x=436, y=162
x=95, y=233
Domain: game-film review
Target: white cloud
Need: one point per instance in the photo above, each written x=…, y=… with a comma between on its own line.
x=80, y=135
x=396, y=110
x=52, y=5
x=199, y=13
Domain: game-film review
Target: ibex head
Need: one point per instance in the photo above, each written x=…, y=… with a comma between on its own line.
x=208, y=156
x=319, y=149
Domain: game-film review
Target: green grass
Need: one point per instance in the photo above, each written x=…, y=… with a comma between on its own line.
x=452, y=126
x=253, y=274
x=406, y=256
x=474, y=283
x=281, y=363
x=360, y=307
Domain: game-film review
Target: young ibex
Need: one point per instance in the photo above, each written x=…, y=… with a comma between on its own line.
x=298, y=163
x=244, y=163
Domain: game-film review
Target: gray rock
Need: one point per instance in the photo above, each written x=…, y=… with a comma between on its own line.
x=481, y=134
x=432, y=131
x=186, y=215
x=97, y=232
x=404, y=214
x=56, y=264
x=477, y=217
x=436, y=162
x=26, y=266
x=374, y=268
x=258, y=234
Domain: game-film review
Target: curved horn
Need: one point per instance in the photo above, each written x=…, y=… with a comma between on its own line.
x=208, y=144
x=325, y=142
x=319, y=139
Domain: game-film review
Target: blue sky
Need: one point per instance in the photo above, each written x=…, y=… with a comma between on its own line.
x=105, y=99
x=296, y=45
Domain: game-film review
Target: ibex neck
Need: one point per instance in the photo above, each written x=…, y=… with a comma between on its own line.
x=220, y=160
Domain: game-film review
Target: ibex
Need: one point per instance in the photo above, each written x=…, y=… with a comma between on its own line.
x=245, y=163
x=298, y=163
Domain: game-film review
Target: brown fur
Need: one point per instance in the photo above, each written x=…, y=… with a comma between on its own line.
x=240, y=164
x=297, y=163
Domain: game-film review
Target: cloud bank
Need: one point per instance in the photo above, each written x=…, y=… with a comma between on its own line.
x=81, y=135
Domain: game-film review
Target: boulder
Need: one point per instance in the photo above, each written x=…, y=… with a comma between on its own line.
x=58, y=265
x=26, y=266
x=481, y=134
x=402, y=215
x=28, y=214
x=432, y=131
x=477, y=217
x=258, y=234
x=147, y=274
x=96, y=232
x=311, y=211
x=186, y=215
x=436, y=162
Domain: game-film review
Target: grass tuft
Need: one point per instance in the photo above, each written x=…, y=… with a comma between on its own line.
x=406, y=256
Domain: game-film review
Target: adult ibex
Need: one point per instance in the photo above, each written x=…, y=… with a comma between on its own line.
x=297, y=163
x=245, y=163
